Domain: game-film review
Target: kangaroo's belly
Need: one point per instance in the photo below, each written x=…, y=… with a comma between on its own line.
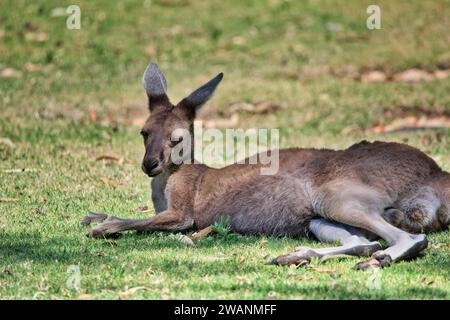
x=271, y=205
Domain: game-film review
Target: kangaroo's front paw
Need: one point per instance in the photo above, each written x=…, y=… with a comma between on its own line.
x=379, y=259
x=106, y=229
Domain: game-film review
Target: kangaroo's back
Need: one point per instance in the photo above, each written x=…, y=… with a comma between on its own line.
x=417, y=188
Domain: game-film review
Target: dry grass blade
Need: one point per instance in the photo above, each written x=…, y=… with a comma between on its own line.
x=8, y=199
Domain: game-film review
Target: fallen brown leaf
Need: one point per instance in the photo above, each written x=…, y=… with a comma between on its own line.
x=36, y=36
x=258, y=107
x=231, y=122
x=441, y=74
x=412, y=75
x=202, y=233
x=144, y=209
x=373, y=76
x=349, y=129
x=411, y=123
x=31, y=67
x=7, y=141
x=10, y=73
x=130, y=292
x=92, y=114
x=112, y=183
x=8, y=199
x=108, y=158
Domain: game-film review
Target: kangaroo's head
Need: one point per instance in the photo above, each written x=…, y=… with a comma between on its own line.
x=168, y=125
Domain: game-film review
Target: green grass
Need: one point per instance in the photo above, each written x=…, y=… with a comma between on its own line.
x=277, y=51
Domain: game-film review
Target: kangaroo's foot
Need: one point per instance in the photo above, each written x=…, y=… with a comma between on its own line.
x=304, y=255
x=379, y=259
x=353, y=243
x=409, y=245
x=93, y=216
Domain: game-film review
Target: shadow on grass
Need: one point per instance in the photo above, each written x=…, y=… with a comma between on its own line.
x=25, y=246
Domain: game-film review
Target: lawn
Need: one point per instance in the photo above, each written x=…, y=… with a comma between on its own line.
x=68, y=97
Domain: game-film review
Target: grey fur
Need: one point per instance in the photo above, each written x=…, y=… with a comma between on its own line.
x=155, y=83
x=205, y=92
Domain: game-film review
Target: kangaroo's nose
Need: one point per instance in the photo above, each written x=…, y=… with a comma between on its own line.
x=149, y=165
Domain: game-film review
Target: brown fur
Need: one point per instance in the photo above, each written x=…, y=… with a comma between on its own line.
x=283, y=204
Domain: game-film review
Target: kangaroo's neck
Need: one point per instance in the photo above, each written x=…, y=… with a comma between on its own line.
x=158, y=186
x=184, y=175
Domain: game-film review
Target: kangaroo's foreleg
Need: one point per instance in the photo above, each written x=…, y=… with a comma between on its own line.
x=93, y=216
x=353, y=242
x=164, y=221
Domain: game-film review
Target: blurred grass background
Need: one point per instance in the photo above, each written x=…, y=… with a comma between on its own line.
x=70, y=96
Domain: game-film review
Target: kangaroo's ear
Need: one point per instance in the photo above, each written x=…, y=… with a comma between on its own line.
x=196, y=99
x=155, y=85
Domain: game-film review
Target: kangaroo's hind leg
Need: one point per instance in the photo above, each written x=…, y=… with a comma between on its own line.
x=353, y=242
x=362, y=206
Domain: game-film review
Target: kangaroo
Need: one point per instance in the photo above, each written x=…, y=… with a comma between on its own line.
x=354, y=196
